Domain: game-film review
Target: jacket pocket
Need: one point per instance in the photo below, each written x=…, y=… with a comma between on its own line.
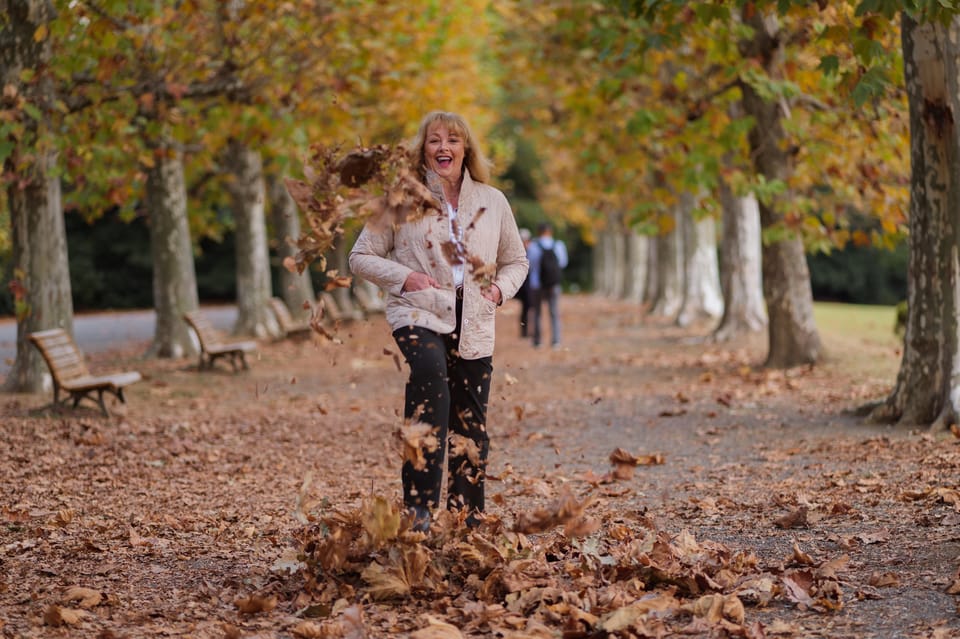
x=438, y=301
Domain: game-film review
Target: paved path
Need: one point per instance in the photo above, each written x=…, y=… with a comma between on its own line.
x=97, y=332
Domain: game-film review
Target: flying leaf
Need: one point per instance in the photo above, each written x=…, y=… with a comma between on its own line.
x=381, y=521
x=417, y=439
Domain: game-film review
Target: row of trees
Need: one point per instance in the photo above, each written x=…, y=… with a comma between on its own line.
x=651, y=121
x=801, y=114
x=178, y=109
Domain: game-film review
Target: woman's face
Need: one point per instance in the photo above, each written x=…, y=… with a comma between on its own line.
x=444, y=150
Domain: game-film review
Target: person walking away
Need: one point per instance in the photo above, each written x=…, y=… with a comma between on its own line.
x=547, y=257
x=524, y=293
x=442, y=312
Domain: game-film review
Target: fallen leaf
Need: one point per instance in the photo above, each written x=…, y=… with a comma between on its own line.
x=256, y=604
x=796, y=519
x=437, y=630
x=881, y=580
x=57, y=616
x=87, y=597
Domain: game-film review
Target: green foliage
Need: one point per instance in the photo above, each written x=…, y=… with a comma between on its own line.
x=860, y=275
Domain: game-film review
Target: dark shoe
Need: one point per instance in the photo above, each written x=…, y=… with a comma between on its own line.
x=421, y=519
x=472, y=520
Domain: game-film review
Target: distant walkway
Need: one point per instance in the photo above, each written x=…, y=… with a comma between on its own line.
x=98, y=332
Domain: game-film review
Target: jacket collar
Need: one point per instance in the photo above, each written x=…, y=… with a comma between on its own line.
x=467, y=189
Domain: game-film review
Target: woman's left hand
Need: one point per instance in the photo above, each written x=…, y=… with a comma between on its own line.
x=493, y=294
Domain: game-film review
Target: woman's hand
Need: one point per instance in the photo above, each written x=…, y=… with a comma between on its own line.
x=419, y=281
x=493, y=294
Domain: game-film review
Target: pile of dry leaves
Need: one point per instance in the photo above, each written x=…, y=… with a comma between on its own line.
x=641, y=484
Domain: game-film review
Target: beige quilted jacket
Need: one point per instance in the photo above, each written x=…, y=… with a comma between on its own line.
x=490, y=233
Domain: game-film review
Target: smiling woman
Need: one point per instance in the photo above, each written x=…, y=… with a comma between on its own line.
x=444, y=276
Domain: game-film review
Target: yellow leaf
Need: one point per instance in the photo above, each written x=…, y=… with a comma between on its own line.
x=40, y=34
x=381, y=521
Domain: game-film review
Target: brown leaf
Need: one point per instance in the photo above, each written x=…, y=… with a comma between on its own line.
x=796, y=519
x=416, y=439
x=255, y=604
x=360, y=165
x=627, y=616
x=57, y=616
x=381, y=521
x=402, y=570
x=566, y=511
x=625, y=463
x=829, y=569
x=882, y=580
x=87, y=597
x=797, y=588
x=800, y=557
x=715, y=608
x=464, y=446
x=314, y=630
x=437, y=629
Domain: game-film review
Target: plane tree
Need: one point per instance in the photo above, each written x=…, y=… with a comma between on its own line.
x=28, y=151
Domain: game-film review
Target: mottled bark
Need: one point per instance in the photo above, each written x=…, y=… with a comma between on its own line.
x=928, y=384
x=174, y=276
x=247, y=188
x=296, y=288
x=792, y=333
x=702, y=299
x=39, y=246
x=741, y=272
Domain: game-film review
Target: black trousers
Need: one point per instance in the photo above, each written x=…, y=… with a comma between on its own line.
x=451, y=394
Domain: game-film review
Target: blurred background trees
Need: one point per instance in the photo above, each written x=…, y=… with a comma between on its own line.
x=689, y=153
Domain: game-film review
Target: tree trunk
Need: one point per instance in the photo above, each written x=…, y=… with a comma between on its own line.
x=616, y=257
x=669, y=295
x=651, y=282
x=607, y=277
x=174, y=276
x=39, y=246
x=599, y=265
x=702, y=299
x=248, y=194
x=741, y=272
x=927, y=385
x=635, y=272
x=297, y=289
x=792, y=332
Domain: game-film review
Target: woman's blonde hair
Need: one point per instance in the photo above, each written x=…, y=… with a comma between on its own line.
x=473, y=159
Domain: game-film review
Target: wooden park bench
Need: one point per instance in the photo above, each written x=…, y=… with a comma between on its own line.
x=289, y=327
x=213, y=346
x=70, y=373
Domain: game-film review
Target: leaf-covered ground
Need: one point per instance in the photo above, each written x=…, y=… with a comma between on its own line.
x=643, y=483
